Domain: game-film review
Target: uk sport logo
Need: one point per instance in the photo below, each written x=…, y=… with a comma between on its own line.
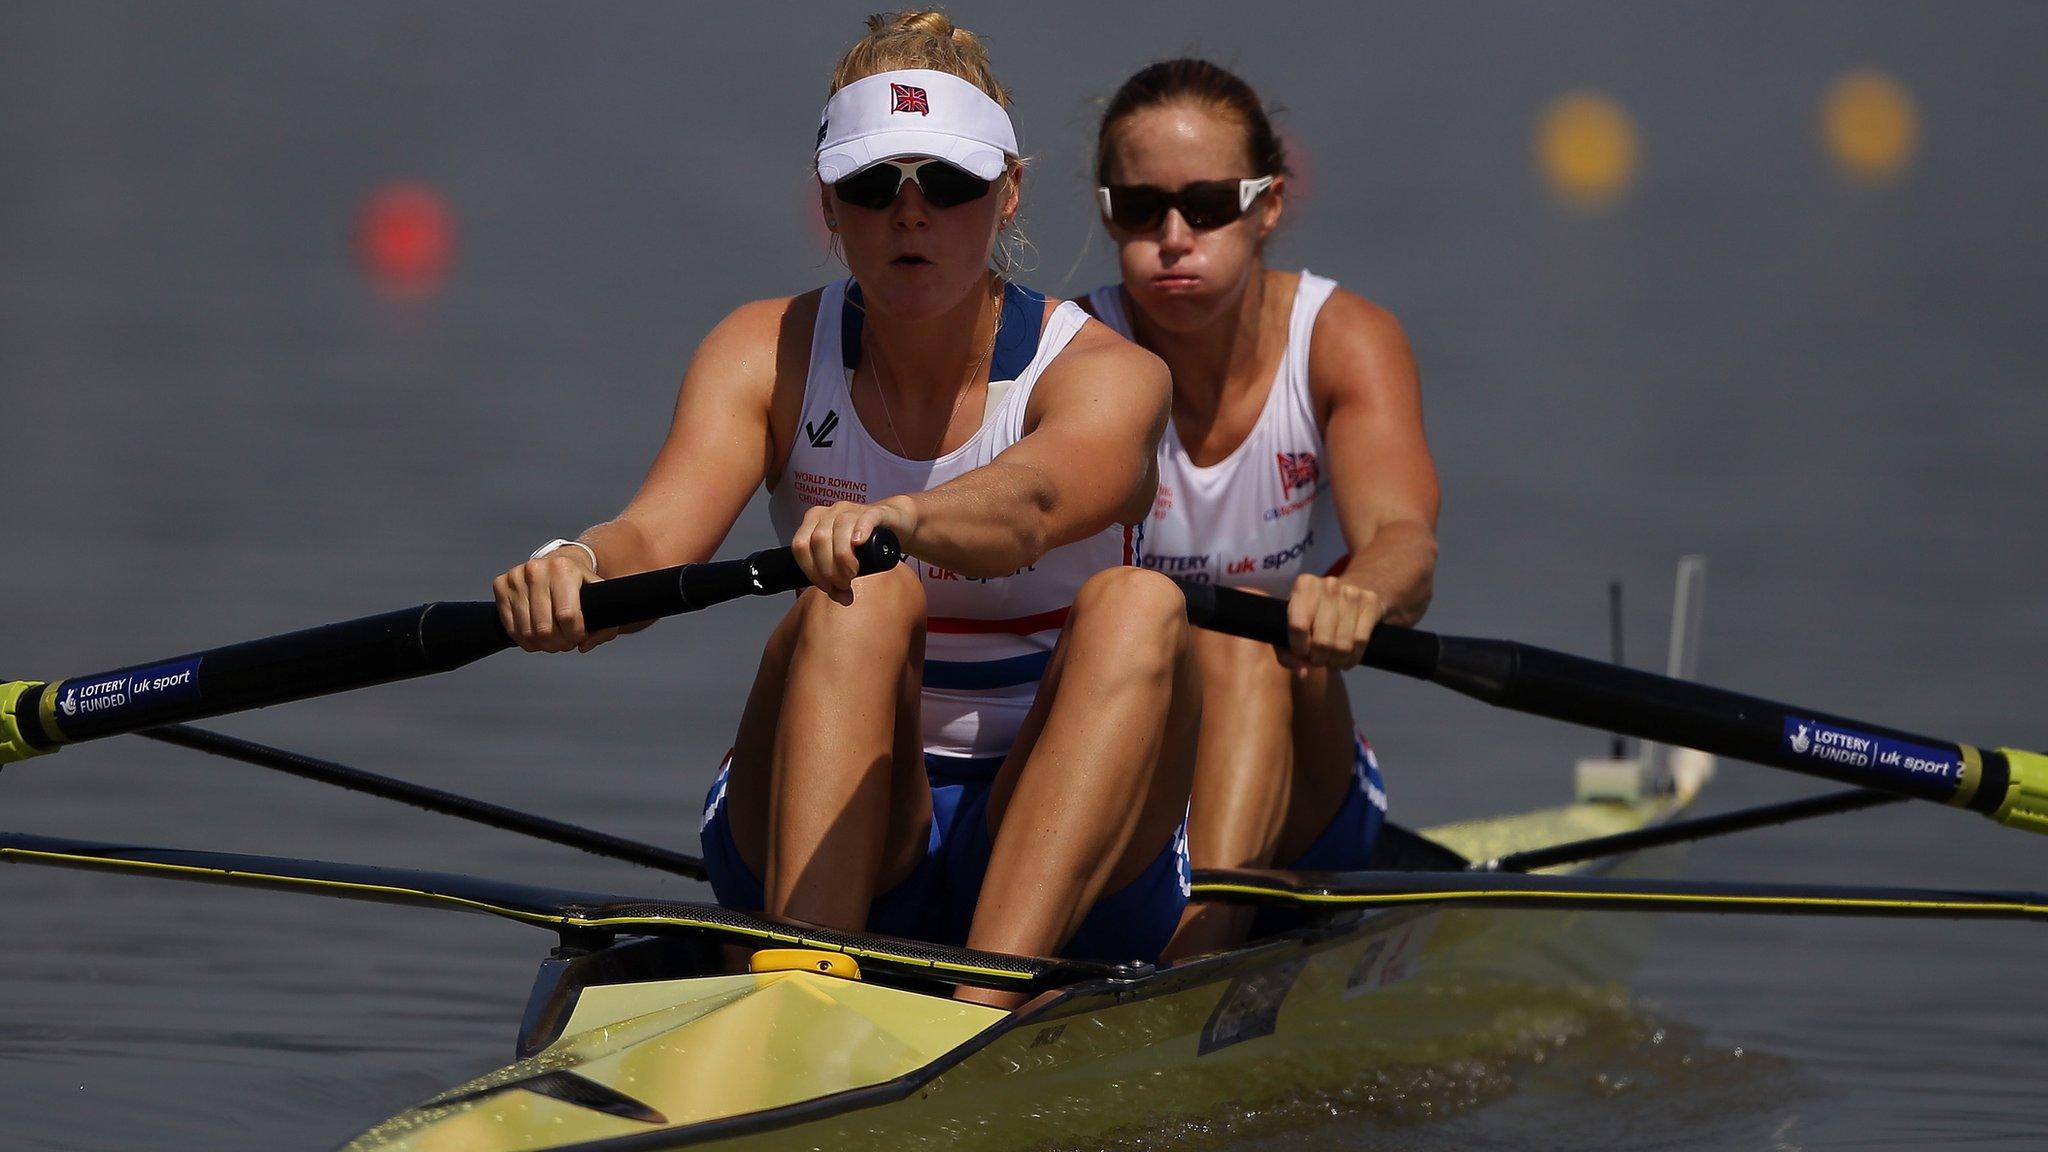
x=909, y=98
x=1297, y=470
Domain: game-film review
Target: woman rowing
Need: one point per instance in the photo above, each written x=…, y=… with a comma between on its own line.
x=1294, y=465
x=992, y=743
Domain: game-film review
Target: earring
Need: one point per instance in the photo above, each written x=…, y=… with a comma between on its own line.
x=832, y=223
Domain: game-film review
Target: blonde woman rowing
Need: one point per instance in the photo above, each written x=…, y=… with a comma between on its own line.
x=992, y=744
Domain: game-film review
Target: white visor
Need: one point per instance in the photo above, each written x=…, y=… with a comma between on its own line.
x=913, y=112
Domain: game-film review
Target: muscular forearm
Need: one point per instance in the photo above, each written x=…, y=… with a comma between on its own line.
x=625, y=546
x=1399, y=567
x=990, y=522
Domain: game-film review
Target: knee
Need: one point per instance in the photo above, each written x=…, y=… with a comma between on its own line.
x=887, y=612
x=1142, y=612
x=1238, y=667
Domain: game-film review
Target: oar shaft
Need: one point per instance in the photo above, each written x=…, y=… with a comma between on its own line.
x=431, y=799
x=2007, y=784
x=1328, y=890
x=256, y=673
x=429, y=638
x=1686, y=831
x=1576, y=690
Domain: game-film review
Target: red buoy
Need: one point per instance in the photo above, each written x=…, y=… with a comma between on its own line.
x=405, y=237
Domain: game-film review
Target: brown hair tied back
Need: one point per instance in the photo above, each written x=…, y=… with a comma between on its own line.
x=1196, y=82
x=927, y=39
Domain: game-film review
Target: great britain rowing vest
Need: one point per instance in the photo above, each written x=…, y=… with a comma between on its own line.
x=987, y=640
x=1263, y=514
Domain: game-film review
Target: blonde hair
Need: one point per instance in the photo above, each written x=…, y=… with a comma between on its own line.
x=926, y=39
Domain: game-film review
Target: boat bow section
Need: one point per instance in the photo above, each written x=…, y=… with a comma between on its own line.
x=670, y=1056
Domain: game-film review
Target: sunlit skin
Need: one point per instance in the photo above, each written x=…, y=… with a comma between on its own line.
x=828, y=798
x=1275, y=748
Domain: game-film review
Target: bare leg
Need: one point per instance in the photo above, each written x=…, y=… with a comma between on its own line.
x=1272, y=764
x=1099, y=777
x=828, y=798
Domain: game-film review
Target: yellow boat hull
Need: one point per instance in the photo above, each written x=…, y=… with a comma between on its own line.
x=802, y=1060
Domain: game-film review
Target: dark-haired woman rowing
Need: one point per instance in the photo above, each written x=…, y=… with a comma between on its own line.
x=1295, y=464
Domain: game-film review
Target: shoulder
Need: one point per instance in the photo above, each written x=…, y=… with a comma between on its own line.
x=1086, y=301
x=1356, y=344
x=763, y=325
x=1100, y=367
x=1098, y=351
x=1351, y=325
x=760, y=342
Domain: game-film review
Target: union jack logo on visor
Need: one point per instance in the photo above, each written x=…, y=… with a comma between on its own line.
x=909, y=98
x=1297, y=470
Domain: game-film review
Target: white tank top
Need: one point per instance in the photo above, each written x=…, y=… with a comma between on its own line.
x=1263, y=514
x=987, y=640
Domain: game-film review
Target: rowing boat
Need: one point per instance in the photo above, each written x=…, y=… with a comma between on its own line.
x=641, y=1032
x=656, y=1043
x=660, y=1024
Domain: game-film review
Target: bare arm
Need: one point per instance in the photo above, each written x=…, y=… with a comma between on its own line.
x=1369, y=403
x=1086, y=460
x=720, y=447
x=1363, y=376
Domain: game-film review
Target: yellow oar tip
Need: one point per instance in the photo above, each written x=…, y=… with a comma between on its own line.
x=2026, y=795
x=14, y=743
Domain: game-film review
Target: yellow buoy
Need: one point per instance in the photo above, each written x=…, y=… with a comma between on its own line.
x=1586, y=149
x=1870, y=127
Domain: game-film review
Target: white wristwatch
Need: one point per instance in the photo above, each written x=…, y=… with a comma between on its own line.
x=553, y=545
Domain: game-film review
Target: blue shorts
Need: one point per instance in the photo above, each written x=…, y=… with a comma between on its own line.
x=1346, y=842
x=936, y=901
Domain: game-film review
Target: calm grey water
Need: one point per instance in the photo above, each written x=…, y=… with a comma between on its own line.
x=211, y=428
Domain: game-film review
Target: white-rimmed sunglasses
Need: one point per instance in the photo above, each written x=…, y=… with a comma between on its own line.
x=1204, y=204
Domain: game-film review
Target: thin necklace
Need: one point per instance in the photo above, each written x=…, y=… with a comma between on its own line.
x=882, y=394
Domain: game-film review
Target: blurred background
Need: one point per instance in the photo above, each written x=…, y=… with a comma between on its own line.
x=309, y=311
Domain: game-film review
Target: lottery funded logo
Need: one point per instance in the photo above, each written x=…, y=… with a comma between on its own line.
x=1194, y=569
x=156, y=685
x=1933, y=771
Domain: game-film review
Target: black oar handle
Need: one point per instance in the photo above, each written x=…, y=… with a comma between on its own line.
x=439, y=637
x=669, y=591
x=1264, y=618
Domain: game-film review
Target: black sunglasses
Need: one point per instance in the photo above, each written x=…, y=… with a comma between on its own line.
x=943, y=185
x=1204, y=204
